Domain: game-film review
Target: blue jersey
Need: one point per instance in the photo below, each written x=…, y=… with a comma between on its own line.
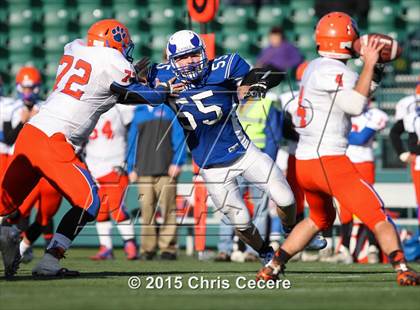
x=207, y=111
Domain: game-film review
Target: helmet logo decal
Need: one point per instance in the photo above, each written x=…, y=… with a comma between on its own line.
x=195, y=40
x=119, y=34
x=172, y=48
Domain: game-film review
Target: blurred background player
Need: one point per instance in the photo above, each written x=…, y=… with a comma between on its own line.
x=405, y=107
x=334, y=93
x=46, y=199
x=4, y=147
x=105, y=155
x=46, y=145
x=155, y=158
x=411, y=122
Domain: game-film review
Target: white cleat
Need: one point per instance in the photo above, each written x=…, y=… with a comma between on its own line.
x=49, y=266
x=9, y=248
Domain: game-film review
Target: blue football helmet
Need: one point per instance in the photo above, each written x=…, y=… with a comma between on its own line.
x=182, y=43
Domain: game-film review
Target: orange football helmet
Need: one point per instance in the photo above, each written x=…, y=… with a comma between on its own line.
x=301, y=70
x=28, y=80
x=111, y=33
x=334, y=35
x=28, y=77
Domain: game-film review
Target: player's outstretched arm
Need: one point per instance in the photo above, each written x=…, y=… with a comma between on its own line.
x=136, y=93
x=258, y=81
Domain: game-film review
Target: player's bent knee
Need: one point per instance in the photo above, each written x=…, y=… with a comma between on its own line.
x=325, y=222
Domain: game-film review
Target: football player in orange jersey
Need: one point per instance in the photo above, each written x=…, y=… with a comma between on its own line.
x=330, y=93
x=46, y=146
x=44, y=196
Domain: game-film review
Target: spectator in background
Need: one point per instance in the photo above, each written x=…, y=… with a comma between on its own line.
x=156, y=152
x=280, y=54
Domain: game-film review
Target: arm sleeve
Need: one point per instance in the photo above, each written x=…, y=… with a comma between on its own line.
x=413, y=147
x=273, y=132
x=129, y=91
x=350, y=101
x=178, y=143
x=10, y=133
x=289, y=131
x=132, y=144
x=136, y=93
x=395, y=135
x=237, y=67
x=362, y=137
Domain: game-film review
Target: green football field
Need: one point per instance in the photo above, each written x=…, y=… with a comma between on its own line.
x=104, y=285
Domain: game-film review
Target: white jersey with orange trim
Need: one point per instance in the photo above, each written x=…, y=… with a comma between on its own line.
x=374, y=119
x=13, y=114
x=322, y=126
x=106, y=148
x=82, y=93
x=405, y=106
x=289, y=103
x=5, y=103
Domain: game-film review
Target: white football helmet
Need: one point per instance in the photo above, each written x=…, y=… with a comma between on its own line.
x=187, y=42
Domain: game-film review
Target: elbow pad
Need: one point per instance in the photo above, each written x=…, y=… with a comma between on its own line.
x=351, y=102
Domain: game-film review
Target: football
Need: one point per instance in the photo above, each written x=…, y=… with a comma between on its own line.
x=391, y=51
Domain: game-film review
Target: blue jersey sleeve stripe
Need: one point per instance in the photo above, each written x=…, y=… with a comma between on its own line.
x=227, y=73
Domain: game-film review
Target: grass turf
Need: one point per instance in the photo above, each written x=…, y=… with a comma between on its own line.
x=103, y=285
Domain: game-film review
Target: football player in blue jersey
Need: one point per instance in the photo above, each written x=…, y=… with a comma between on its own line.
x=206, y=109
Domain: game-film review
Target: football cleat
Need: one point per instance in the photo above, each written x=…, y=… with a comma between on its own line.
x=130, y=249
x=49, y=265
x=266, y=273
x=267, y=256
x=9, y=248
x=408, y=278
x=103, y=254
x=27, y=256
x=317, y=243
x=222, y=257
x=270, y=272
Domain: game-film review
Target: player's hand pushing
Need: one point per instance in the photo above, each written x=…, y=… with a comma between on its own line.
x=171, y=87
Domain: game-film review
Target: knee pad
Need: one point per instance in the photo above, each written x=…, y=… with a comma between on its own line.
x=239, y=218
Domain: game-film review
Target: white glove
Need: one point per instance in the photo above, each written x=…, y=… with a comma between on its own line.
x=404, y=157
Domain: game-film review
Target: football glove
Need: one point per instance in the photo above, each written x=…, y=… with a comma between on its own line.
x=141, y=68
x=257, y=90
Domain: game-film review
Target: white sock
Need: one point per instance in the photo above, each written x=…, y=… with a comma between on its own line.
x=23, y=246
x=126, y=229
x=59, y=240
x=104, y=233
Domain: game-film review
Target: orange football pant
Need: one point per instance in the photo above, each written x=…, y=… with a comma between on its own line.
x=335, y=176
x=112, y=190
x=37, y=155
x=294, y=184
x=48, y=202
x=367, y=172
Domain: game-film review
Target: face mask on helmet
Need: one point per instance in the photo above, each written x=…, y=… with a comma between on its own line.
x=28, y=93
x=181, y=45
x=128, y=52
